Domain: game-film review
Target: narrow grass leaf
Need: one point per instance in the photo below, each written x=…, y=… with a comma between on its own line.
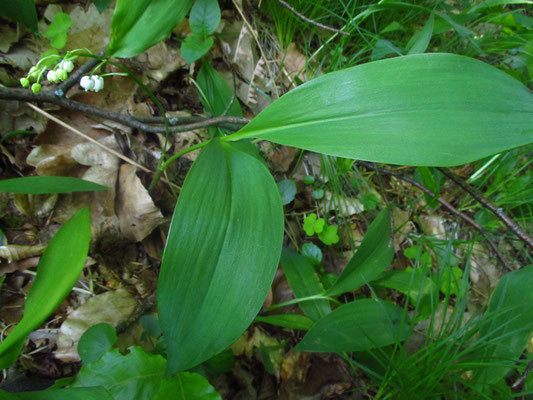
x=420, y=40
x=371, y=258
x=291, y=321
x=304, y=282
x=222, y=251
x=356, y=326
x=139, y=24
x=48, y=185
x=58, y=270
x=423, y=109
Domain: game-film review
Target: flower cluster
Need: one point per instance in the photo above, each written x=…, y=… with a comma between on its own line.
x=92, y=83
x=58, y=73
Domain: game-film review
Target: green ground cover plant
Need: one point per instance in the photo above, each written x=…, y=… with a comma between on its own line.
x=419, y=109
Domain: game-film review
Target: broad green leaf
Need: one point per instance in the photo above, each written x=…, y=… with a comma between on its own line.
x=140, y=375
x=424, y=109
x=194, y=47
x=222, y=252
x=304, y=282
x=96, y=341
x=287, y=190
x=22, y=11
x=101, y=5
x=420, y=40
x=48, y=185
x=217, y=93
x=371, y=258
x=90, y=393
x=509, y=327
x=291, y=321
x=356, y=326
x=186, y=386
x=204, y=17
x=140, y=24
x=58, y=270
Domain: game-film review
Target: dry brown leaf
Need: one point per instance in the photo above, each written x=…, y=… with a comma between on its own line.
x=112, y=308
x=137, y=214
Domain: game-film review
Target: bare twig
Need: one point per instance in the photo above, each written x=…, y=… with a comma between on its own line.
x=313, y=22
x=233, y=123
x=487, y=204
x=444, y=203
x=523, y=377
x=96, y=142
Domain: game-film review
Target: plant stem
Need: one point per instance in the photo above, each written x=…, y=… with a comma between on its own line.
x=165, y=164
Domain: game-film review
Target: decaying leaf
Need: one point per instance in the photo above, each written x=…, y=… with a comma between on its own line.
x=112, y=308
x=14, y=252
x=137, y=214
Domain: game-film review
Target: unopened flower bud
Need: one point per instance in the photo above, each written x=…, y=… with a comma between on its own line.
x=51, y=76
x=62, y=74
x=87, y=83
x=25, y=82
x=98, y=82
x=33, y=73
x=67, y=66
x=36, y=88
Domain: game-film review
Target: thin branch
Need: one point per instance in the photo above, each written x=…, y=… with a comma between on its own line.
x=444, y=203
x=233, y=123
x=96, y=142
x=487, y=204
x=523, y=377
x=313, y=22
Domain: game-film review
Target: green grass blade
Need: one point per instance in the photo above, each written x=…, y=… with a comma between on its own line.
x=48, y=185
x=58, y=270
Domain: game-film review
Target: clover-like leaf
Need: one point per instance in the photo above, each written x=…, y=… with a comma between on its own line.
x=309, y=223
x=329, y=235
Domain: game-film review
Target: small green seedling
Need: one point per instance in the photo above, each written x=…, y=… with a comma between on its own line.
x=57, y=30
x=326, y=233
x=203, y=20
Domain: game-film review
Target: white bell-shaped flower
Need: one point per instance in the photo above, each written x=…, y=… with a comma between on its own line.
x=51, y=76
x=98, y=82
x=67, y=66
x=87, y=83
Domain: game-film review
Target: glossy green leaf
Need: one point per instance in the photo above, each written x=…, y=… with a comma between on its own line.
x=356, y=326
x=424, y=109
x=57, y=272
x=304, y=282
x=90, y=393
x=371, y=258
x=194, y=47
x=140, y=375
x=291, y=321
x=48, y=185
x=139, y=24
x=96, y=341
x=217, y=92
x=222, y=252
x=22, y=11
x=313, y=253
x=510, y=324
x=287, y=190
x=204, y=17
x=420, y=40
